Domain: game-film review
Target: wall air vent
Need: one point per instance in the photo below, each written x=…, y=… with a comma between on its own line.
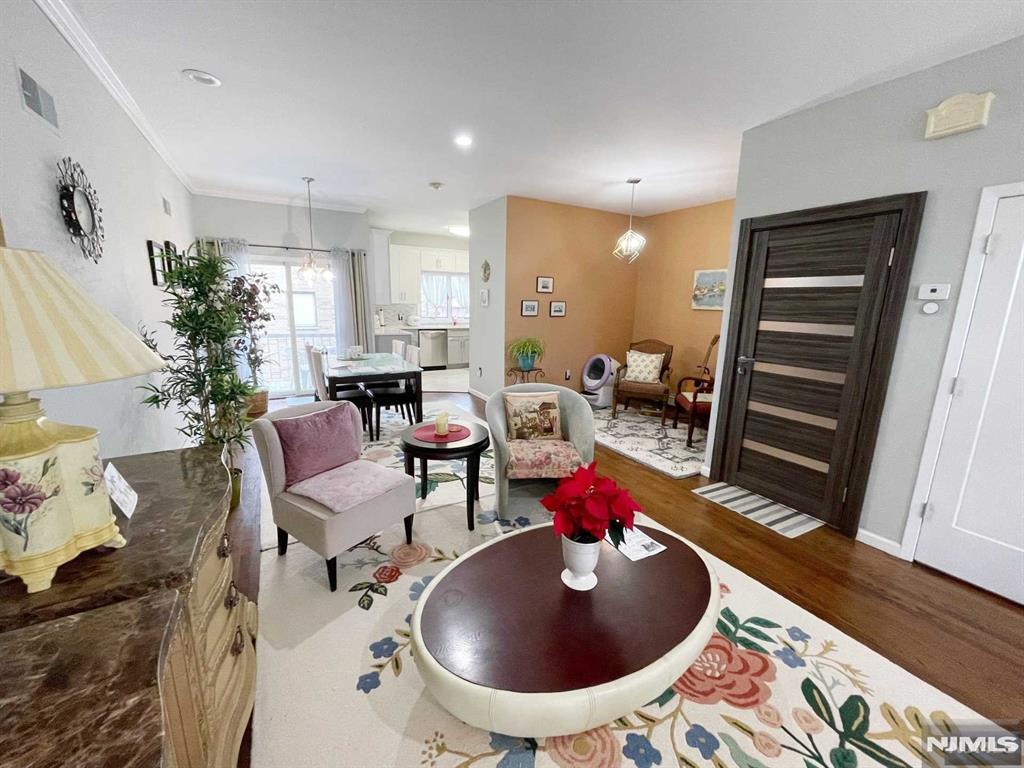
x=37, y=99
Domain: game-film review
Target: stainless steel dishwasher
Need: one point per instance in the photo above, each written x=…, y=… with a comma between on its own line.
x=433, y=349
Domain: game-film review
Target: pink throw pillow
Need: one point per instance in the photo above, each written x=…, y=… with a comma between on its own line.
x=319, y=441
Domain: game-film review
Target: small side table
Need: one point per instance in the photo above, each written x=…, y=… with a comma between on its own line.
x=519, y=376
x=469, y=448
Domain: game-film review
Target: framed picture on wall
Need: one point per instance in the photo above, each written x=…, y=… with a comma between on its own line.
x=530, y=308
x=557, y=309
x=545, y=285
x=157, y=264
x=708, y=289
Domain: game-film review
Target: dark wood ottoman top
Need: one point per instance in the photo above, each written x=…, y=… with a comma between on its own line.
x=503, y=619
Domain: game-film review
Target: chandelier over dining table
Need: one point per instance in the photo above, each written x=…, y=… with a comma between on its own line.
x=311, y=268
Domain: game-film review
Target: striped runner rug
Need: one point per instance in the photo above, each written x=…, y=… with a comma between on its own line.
x=780, y=518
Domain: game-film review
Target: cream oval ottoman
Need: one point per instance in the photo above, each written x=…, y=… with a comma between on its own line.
x=503, y=645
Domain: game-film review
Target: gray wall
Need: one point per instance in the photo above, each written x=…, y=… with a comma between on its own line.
x=130, y=179
x=488, y=226
x=871, y=143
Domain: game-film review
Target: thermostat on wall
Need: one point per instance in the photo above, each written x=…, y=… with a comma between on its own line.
x=933, y=292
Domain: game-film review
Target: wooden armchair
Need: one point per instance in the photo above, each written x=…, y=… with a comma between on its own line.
x=693, y=397
x=625, y=391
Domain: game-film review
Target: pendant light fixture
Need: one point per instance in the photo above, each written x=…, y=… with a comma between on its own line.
x=631, y=243
x=310, y=266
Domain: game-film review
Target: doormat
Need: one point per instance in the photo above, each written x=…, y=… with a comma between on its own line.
x=778, y=517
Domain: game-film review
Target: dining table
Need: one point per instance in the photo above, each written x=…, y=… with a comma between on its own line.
x=374, y=368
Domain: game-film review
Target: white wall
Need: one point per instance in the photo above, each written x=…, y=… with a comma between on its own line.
x=422, y=240
x=487, y=241
x=130, y=179
x=871, y=143
x=272, y=224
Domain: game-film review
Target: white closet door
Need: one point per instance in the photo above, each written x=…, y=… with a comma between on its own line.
x=974, y=524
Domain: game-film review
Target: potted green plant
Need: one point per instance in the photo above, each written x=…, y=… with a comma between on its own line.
x=201, y=376
x=252, y=293
x=526, y=352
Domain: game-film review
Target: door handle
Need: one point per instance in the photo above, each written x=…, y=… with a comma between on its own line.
x=742, y=361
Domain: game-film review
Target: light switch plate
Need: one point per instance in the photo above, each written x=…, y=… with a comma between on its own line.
x=933, y=292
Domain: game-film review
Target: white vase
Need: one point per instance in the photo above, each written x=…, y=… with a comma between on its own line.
x=580, y=562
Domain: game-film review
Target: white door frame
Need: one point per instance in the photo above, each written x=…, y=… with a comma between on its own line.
x=983, y=223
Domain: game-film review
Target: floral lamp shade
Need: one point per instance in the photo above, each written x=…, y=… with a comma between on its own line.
x=53, y=499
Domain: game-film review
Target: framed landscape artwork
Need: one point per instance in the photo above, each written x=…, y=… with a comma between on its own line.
x=708, y=289
x=545, y=284
x=557, y=309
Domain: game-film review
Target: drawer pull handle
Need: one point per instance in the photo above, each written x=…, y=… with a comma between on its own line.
x=225, y=546
x=231, y=598
x=239, y=643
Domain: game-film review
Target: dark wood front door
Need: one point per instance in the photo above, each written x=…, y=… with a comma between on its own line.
x=816, y=307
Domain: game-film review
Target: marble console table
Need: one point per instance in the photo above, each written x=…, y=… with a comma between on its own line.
x=141, y=656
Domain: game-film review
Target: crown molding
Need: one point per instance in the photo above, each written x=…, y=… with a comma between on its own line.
x=296, y=200
x=70, y=27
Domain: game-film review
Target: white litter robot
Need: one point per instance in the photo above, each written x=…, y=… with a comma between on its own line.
x=598, y=378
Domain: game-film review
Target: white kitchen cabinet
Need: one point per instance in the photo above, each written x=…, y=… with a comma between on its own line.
x=405, y=274
x=462, y=262
x=437, y=259
x=458, y=348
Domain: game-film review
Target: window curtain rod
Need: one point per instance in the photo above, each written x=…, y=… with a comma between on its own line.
x=291, y=248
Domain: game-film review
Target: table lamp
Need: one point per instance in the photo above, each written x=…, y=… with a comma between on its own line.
x=53, y=500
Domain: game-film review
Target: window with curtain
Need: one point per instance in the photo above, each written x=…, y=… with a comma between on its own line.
x=444, y=296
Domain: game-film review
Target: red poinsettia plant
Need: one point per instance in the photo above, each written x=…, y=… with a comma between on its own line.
x=587, y=506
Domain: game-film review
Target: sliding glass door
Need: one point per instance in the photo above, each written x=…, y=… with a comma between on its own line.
x=305, y=312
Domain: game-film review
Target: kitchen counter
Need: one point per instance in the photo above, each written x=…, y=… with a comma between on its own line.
x=397, y=330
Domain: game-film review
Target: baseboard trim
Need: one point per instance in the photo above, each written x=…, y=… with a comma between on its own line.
x=888, y=546
x=705, y=470
x=477, y=394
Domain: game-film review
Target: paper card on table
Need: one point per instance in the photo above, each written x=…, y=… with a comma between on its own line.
x=121, y=493
x=637, y=545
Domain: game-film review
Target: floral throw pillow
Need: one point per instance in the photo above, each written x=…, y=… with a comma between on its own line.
x=533, y=416
x=642, y=367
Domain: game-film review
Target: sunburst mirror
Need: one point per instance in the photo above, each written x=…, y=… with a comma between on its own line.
x=80, y=207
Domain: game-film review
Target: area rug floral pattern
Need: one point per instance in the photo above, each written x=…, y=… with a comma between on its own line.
x=774, y=686
x=446, y=480
x=640, y=436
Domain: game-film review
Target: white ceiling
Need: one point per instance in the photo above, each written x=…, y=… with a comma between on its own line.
x=565, y=100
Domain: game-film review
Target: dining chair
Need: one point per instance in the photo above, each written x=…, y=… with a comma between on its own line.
x=359, y=397
x=398, y=347
x=400, y=395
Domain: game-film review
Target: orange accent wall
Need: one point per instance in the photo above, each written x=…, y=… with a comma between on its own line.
x=678, y=243
x=573, y=245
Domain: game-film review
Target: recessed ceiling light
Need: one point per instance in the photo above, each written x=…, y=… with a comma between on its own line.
x=201, y=78
x=459, y=230
x=464, y=140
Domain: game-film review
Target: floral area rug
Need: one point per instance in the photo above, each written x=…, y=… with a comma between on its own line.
x=775, y=686
x=640, y=436
x=446, y=480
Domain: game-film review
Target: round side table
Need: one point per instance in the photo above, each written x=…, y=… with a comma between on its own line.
x=469, y=448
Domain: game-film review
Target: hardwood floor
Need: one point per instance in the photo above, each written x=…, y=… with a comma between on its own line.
x=960, y=639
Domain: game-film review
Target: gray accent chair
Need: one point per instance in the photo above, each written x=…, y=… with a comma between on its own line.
x=577, y=419
x=371, y=497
